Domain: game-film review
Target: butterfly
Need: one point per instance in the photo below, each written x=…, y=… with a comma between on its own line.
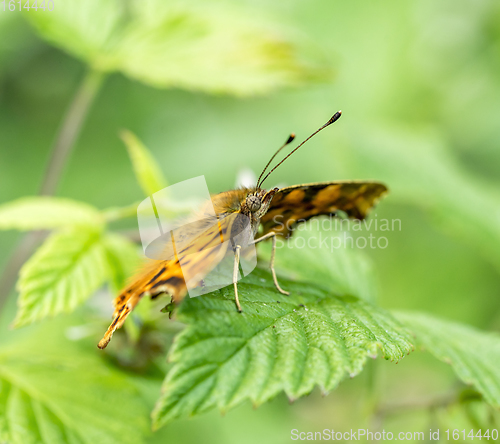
x=277, y=211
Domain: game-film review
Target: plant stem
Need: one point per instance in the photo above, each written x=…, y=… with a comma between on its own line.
x=68, y=133
x=69, y=130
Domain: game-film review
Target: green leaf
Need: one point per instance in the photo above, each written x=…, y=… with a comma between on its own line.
x=211, y=49
x=123, y=258
x=44, y=213
x=324, y=259
x=83, y=28
x=278, y=343
x=63, y=273
x=176, y=44
x=147, y=171
x=57, y=391
x=473, y=354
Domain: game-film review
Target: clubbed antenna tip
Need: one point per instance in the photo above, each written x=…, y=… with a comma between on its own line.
x=334, y=118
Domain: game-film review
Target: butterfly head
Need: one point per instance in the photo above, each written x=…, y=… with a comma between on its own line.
x=253, y=202
x=257, y=202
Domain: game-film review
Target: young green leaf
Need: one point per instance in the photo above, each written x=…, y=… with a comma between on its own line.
x=63, y=273
x=220, y=50
x=173, y=44
x=146, y=169
x=473, y=354
x=123, y=258
x=45, y=213
x=57, y=391
x=279, y=343
x=83, y=28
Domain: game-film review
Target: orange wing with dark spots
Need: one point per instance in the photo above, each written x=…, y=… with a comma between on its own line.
x=292, y=205
x=195, y=260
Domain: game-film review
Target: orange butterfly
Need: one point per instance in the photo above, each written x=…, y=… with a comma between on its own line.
x=277, y=210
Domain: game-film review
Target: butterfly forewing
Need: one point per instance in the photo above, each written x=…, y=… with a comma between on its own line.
x=292, y=205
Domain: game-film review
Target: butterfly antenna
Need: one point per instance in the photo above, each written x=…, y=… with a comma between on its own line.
x=334, y=118
x=288, y=141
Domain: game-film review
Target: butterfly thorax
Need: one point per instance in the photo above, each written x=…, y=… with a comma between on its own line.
x=251, y=202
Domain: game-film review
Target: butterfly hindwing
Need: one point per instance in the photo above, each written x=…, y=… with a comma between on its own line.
x=292, y=205
x=193, y=262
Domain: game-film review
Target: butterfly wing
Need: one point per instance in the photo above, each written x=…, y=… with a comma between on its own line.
x=292, y=205
x=193, y=263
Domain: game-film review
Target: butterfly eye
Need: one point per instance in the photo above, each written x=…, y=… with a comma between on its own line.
x=253, y=203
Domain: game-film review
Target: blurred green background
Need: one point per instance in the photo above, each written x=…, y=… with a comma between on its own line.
x=419, y=87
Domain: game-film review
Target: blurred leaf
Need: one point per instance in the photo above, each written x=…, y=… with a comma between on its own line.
x=63, y=273
x=324, y=259
x=210, y=49
x=123, y=259
x=147, y=171
x=419, y=169
x=55, y=391
x=472, y=414
x=278, y=343
x=17, y=42
x=43, y=213
x=83, y=28
x=473, y=354
x=116, y=213
x=173, y=44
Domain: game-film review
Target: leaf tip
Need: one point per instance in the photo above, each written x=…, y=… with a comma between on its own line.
x=18, y=322
x=324, y=392
x=255, y=404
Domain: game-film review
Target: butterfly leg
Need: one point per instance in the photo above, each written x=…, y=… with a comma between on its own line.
x=235, y=275
x=272, y=235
